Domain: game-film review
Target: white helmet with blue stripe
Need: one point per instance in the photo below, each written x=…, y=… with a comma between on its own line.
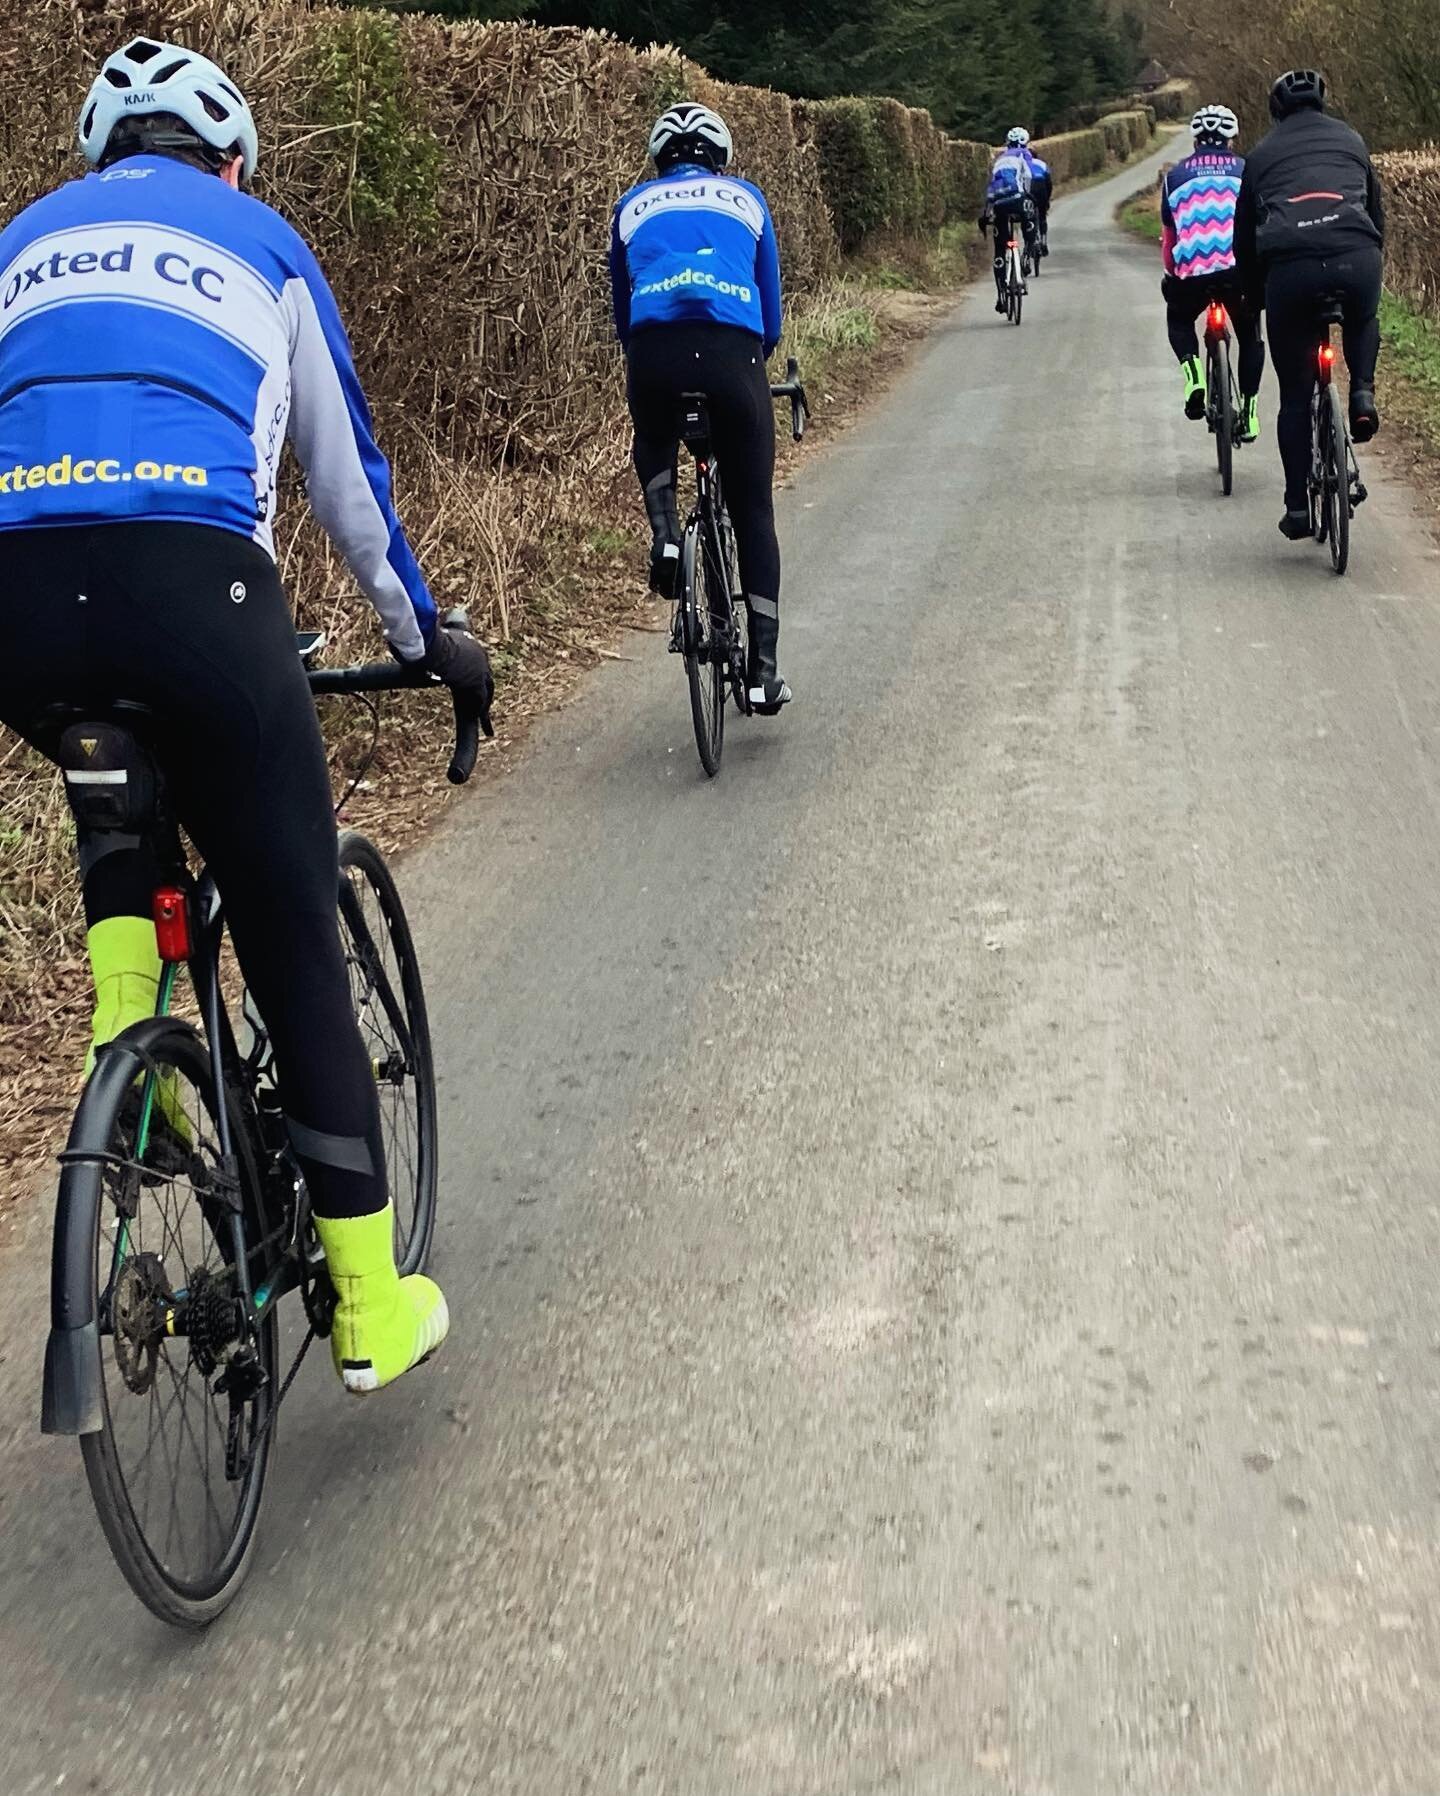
x=1018, y=138
x=148, y=77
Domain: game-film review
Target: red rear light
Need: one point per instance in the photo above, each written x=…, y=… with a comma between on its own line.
x=1217, y=316
x=172, y=923
x=1327, y=355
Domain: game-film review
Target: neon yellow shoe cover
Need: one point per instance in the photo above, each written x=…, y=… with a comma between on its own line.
x=384, y=1324
x=1194, y=377
x=1249, y=420
x=125, y=965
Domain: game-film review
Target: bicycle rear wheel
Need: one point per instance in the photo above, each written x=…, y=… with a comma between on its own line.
x=1337, y=485
x=1224, y=415
x=1319, y=424
x=389, y=1000
x=180, y=1523
x=705, y=668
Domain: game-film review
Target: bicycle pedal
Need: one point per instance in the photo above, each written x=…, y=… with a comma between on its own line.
x=1359, y=493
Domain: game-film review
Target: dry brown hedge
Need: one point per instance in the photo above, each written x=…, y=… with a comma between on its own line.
x=1411, y=180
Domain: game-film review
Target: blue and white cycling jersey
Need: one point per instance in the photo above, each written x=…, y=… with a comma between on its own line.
x=692, y=246
x=1011, y=177
x=159, y=335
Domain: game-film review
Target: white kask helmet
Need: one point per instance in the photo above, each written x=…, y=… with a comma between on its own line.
x=689, y=128
x=147, y=77
x=1215, y=121
x=1018, y=138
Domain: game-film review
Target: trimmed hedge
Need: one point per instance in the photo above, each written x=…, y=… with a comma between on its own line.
x=886, y=168
x=1116, y=137
x=1176, y=100
x=1073, y=154
x=1412, y=244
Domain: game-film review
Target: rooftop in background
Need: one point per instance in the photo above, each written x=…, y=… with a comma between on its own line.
x=1153, y=75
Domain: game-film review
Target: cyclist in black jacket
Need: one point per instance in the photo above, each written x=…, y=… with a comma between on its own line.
x=1309, y=225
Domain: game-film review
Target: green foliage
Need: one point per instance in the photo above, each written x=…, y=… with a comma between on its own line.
x=362, y=92
x=883, y=168
x=978, y=66
x=1141, y=216
x=1412, y=349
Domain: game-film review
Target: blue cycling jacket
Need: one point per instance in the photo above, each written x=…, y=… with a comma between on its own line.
x=1011, y=176
x=160, y=334
x=692, y=247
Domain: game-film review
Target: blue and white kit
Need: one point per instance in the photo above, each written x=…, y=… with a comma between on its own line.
x=695, y=247
x=160, y=334
x=1011, y=177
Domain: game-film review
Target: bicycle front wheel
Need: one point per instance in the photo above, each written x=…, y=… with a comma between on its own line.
x=705, y=668
x=1337, y=486
x=177, y=1468
x=389, y=1002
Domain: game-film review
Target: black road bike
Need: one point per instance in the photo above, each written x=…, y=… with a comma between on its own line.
x=710, y=628
x=183, y=1220
x=1335, y=484
x=1223, y=412
x=1016, y=259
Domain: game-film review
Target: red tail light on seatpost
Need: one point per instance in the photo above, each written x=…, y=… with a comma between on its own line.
x=171, y=911
x=1217, y=318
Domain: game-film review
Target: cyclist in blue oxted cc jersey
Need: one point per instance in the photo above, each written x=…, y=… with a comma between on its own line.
x=161, y=333
x=695, y=276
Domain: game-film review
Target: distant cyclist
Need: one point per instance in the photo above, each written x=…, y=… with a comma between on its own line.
x=1197, y=216
x=161, y=334
x=695, y=279
x=1042, y=191
x=1010, y=203
x=1310, y=226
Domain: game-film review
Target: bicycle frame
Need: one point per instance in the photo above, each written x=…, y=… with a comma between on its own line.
x=266, y=1269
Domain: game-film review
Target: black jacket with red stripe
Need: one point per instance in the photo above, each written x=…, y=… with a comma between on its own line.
x=1309, y=189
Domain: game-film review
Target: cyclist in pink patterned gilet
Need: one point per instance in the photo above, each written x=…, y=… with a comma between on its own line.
x=1197, y=216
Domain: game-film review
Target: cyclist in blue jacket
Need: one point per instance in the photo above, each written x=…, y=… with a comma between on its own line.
x=1010, y=200
x=161, y=332
x=695, y=278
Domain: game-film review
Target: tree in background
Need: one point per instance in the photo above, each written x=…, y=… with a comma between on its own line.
x=980, y=66
x=1381, y=58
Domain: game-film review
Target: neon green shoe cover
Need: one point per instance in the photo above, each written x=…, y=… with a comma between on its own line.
x=384, y=1324
x=1194, y=377
x=1249, y=420
x=125, y=965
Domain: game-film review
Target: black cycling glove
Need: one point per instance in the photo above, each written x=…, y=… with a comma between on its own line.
x=460, y=661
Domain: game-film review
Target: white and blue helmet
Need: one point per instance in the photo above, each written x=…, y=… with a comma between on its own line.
x=148, y=77
x=1018, y=138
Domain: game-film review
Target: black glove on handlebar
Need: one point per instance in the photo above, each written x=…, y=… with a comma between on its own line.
x=455, y=657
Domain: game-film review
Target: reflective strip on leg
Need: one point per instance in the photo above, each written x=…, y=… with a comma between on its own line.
x=346, y=1153
x=763, y=607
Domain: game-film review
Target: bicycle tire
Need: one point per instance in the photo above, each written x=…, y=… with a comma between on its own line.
x=1337, y=483
x=104, y=1125
x=1015, y=295
x=1224, y=418
x=1319, y=520
x=739, y=614
x=703, y=671
x=404, y=1068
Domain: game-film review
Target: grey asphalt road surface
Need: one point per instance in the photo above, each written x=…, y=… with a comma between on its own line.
x=941, y=1223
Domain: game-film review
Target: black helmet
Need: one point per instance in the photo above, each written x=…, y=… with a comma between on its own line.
x=1297, y=88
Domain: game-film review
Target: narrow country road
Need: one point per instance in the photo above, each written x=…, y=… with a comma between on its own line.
x=943, y=1223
